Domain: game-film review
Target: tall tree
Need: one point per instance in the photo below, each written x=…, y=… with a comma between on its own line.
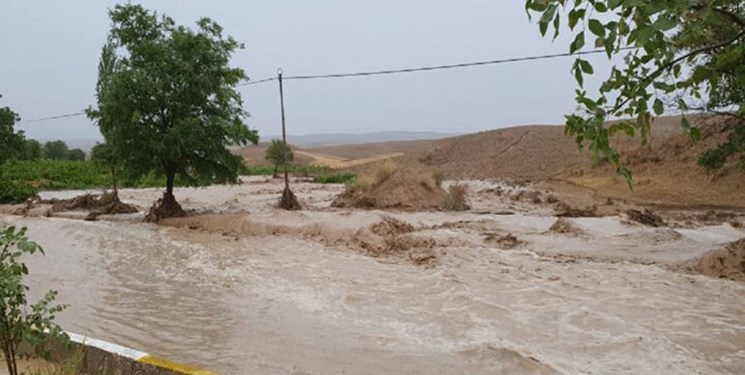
x=76, y=154
x=11, y=142
x=279, y=153
x=168, y=102
x=31, y=150
x=678, y=55
x=55, y=150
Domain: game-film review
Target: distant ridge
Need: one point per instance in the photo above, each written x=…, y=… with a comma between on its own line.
x=334, y=139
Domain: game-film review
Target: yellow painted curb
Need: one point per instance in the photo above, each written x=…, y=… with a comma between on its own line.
x=173, y=366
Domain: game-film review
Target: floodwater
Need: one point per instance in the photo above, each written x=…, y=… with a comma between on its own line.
x=245, y=293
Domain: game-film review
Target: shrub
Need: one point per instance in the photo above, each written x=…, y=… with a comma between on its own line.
x=31, y=324
x=455, y=198
x=15, y=192
x=338, y=178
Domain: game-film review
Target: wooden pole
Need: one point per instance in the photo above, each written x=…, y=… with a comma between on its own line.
x=284, y=133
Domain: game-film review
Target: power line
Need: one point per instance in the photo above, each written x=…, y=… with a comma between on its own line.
x=53, y=117
x=430, y=68
x=385, y=72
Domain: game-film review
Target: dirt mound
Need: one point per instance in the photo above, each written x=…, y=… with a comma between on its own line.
x=646, y=217
x=727, y=262
x=508, y=241
x=403, y=189
x=564, y=210
x=565, y=226
x=288, y=201
x=391, y=226
x=103, y=204
x=163, y=208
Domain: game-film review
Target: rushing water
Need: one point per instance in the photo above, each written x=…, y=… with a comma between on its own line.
x=285, y=304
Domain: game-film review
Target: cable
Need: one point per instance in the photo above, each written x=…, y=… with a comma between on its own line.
x=53, y=117
x=383, y=72
x=257, y=82
x=429, y=68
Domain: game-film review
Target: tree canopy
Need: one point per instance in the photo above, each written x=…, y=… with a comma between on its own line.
x=167, y=100
x=11, y=142
x=55, y=150
x=677, y=56
x=279, y=153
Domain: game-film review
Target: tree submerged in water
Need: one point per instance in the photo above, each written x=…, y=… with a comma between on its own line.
x=167, y=101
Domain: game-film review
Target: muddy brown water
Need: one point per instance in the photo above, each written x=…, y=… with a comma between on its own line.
x=238, y=303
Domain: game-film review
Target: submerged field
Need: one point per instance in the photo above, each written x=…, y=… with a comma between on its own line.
x=240, y=287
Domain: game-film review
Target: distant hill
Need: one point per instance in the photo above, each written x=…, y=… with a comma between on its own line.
x=333, y=139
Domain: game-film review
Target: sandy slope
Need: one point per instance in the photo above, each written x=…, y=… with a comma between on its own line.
x=666, y=172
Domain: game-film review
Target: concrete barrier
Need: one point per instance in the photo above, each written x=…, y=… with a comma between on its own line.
x=97, y=357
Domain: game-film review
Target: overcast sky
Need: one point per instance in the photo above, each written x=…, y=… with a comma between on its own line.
x=50, y=50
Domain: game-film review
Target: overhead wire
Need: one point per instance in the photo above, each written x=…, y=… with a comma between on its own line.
x=383, y=72
x=429, y=68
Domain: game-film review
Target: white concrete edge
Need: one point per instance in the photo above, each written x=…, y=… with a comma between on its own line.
x=107, y=346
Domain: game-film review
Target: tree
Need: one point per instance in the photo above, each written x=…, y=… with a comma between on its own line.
x=103, y=155
x=31, y=150
x=678, y=55
x=76, y=154
x=55, y=150
x=11, y=142
x=279, y=153
x=20, y=322
x=168, y=102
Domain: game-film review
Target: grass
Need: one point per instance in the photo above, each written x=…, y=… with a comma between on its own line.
x=321, y=175
x=75, y=175
x=377, y=176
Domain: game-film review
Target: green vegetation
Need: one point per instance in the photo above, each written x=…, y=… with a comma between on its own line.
x=335, y=178
x=280, y=154
x=31, y=324
x=321, y=175
x=15, y=192
x=11, y=142
x=678, y=55
x=28, y=176
x=55, y=150
x=167, y=101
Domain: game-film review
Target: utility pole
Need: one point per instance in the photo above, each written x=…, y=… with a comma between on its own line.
x=284, y=133
x=288, y=200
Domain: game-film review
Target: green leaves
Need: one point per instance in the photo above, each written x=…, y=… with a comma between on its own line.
x=31, y=324
x=578, y=43
x=659, y=108
x=167, y=98
x=596, y=27
x=650, y=79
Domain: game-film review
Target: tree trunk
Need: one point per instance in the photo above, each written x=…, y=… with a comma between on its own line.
x=170, y=178
x=114, y=182
x=167, y=206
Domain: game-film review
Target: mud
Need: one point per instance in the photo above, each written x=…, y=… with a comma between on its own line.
x=248, y=288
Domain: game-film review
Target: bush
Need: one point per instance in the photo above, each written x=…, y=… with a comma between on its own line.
x=455, y=198
x=22, y=322
x=338, y=178
x=16, y=192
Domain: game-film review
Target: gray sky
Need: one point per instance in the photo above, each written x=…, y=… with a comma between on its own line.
x=50, y=51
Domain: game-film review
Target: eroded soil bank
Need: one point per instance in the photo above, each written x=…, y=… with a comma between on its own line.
x=501, y=289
